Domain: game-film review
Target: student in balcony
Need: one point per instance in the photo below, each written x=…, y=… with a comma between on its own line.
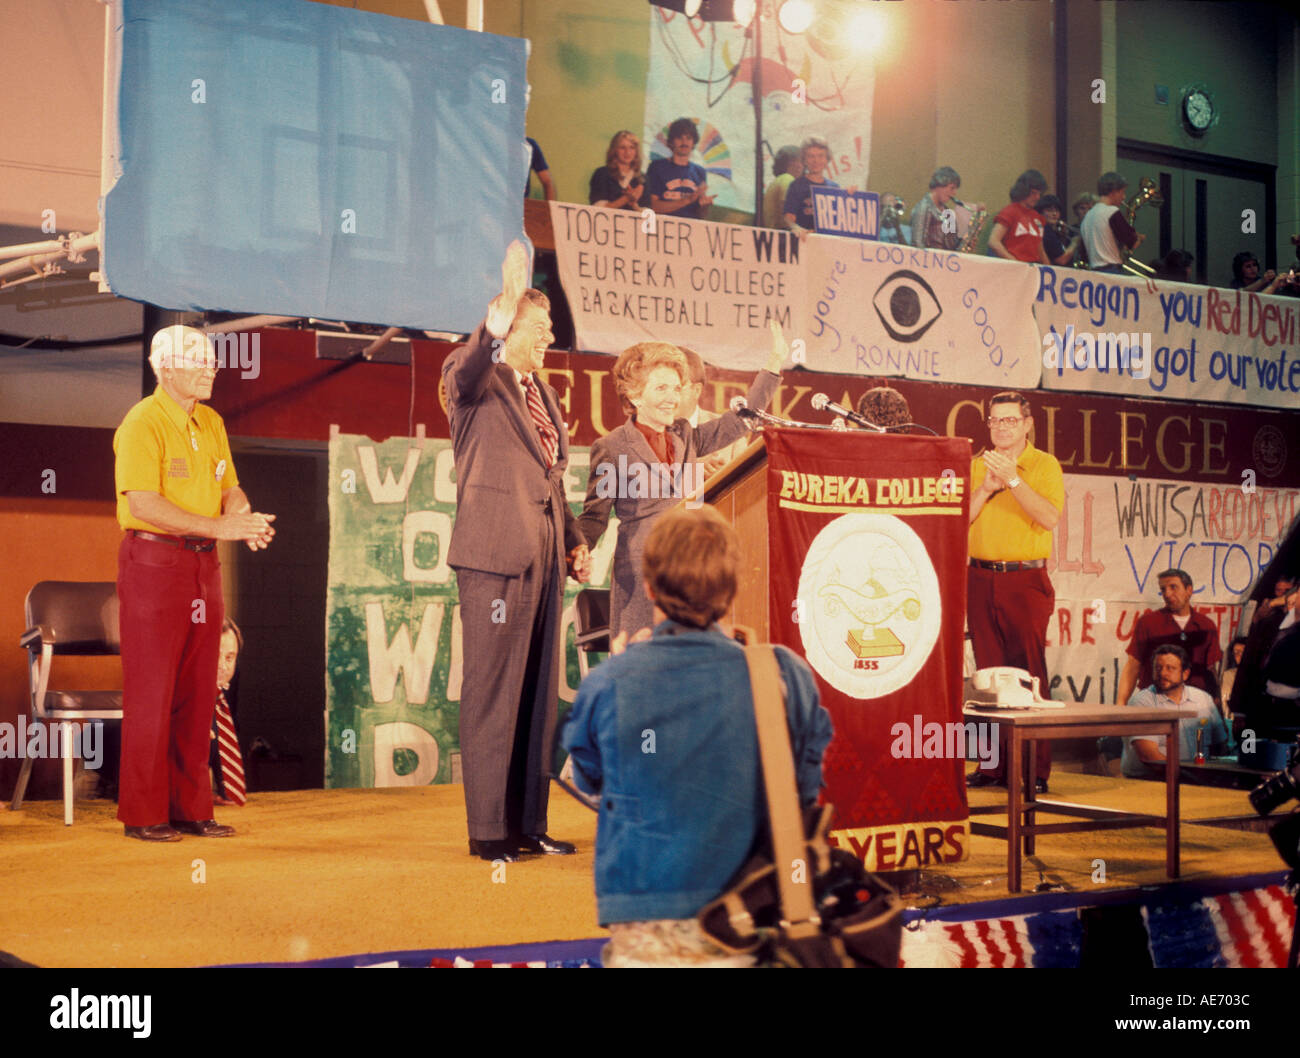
x=787, y=167
x=678, y=185
x=619, y=183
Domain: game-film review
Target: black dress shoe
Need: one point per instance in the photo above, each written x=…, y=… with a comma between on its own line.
x=505, y=850
x=157, y=832
x=545, y=844
x=1040, y=786
x=204, y=828
x=984, y=778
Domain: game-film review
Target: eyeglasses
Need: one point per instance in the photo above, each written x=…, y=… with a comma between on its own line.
x=1005, y=420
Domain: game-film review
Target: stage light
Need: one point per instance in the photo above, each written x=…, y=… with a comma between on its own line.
x=743, y=11
x=865, y=29
x=795, y=16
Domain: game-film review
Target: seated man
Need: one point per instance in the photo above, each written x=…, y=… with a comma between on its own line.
x=225, y=759
x=665, y=732
x=1144, y=755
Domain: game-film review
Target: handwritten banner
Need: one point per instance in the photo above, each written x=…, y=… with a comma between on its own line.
x=880, y=309
x=631, y=277
x=864, y=308
x=1199, y=343
x=1115, y=537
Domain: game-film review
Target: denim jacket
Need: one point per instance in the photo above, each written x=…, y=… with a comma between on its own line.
x=665, y=734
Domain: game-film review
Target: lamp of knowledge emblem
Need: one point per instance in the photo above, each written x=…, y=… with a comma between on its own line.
x=869, y=607
x=1269, y=450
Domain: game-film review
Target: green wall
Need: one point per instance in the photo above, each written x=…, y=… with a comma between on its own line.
x=1230, y=47
x=588, y=72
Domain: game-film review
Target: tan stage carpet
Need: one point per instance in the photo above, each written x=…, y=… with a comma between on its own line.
x=321, y=873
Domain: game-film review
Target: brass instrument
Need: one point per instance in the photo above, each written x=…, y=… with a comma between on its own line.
x=893, y=216
x=1067, y=233
x=898, y=210
x=978, y=219
x=1148, y=194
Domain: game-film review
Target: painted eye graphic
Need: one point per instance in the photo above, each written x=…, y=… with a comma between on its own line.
x=906, y=306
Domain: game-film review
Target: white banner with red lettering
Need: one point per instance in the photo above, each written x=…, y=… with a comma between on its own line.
x=1192, y=342
x=1117, y=534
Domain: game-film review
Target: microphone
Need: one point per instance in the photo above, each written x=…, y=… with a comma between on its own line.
x=753, y=416
x=821, y=402
x=741, y=407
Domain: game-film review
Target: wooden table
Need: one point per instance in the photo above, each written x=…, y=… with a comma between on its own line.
x=1022, y=728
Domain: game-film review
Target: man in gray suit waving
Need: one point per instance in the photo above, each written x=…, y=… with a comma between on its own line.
x=512, y=535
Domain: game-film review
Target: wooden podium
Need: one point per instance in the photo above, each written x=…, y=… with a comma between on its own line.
x=739, y=493
x=858, y=566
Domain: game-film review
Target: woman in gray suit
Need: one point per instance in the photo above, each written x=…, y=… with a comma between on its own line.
x=646, y=466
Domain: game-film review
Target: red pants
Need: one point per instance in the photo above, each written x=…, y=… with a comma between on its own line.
x=1007, y=614
x=169, y=679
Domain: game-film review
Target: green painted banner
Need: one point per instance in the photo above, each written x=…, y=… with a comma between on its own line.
x=393, y=651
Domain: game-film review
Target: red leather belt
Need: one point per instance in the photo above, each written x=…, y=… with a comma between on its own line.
x=1008, y=567
x=187, y=543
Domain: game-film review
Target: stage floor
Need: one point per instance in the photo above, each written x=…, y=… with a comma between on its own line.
x=321, y=873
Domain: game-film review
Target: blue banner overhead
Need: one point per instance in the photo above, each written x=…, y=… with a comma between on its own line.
x=299, y=159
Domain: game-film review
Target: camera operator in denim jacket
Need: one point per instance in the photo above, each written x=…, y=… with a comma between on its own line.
x=665, y=734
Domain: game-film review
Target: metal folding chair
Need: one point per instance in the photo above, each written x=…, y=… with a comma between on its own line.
x=67, y=617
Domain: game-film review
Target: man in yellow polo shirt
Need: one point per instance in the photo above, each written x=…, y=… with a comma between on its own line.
x=1017, y=494
x=177, y=494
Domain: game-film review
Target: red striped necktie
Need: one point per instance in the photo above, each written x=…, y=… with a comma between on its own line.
x=546, y=430
x=232, y=764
